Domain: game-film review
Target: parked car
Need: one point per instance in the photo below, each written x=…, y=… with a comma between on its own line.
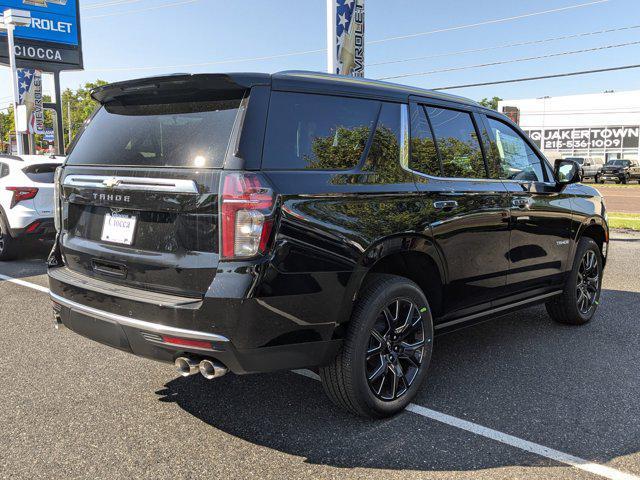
x=252, y=223
x=589, y=167
x=621, y=171
x=26, y=201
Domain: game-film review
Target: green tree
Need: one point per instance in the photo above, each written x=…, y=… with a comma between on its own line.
x=6, y=127
x=78, y=100
x=490, y=103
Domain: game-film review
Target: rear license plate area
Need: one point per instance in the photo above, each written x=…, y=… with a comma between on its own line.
x=119, y=228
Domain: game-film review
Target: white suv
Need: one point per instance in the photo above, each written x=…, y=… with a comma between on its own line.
x=26, y=200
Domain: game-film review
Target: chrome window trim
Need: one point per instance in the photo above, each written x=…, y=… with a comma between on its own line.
x=135, y=323
x=404, y=136
x=145, y=184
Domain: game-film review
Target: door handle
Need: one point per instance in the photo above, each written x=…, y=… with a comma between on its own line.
x=522, y=203
x=445, y=205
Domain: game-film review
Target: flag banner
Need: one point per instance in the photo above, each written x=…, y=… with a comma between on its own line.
x=349, y=37
x=30, y=94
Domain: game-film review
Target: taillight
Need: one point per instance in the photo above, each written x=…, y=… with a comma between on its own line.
x=246, y=215
x=21, y=193
x=57, y=207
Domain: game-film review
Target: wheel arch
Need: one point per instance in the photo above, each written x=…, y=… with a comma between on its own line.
x=597, y=229
x=410, y=256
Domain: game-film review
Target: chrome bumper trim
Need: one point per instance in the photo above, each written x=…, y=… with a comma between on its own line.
x=135, y=323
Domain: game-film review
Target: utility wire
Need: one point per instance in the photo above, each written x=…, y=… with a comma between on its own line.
x=515, y=60
x=541, y=77
x=323, y=50
x=203, y=64
x=487, y=22
x=108, y=4
x=507, y=45
x=140, y=10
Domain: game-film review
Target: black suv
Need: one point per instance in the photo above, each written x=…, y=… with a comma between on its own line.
x=252, y=222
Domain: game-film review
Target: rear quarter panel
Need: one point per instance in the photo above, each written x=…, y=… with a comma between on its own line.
x=332, y=228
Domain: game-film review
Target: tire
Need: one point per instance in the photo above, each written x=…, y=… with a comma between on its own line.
x=567, y=307
x=364, y=377
x=624, y=180
x=7, y=243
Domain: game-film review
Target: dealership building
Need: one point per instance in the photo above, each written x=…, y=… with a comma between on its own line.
x=599, y=125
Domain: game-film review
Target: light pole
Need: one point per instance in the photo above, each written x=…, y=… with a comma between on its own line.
x=10, y=20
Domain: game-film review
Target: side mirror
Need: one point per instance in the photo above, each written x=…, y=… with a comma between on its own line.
x=566, y=171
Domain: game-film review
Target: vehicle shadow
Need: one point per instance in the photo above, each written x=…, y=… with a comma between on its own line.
x=574, y=389
x=30, y=261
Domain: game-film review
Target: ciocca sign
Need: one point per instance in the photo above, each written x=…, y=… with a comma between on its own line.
x=52, y=40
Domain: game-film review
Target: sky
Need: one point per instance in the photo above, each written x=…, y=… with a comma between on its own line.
x=122, y=41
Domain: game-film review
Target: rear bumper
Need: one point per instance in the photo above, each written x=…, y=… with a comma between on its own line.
x=151, y=329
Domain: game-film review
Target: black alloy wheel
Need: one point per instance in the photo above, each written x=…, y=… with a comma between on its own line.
x=588, y=282
x=386, y=350
x=581, y=294
x=396, y=349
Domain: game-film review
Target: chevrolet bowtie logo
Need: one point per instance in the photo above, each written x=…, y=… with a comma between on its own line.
x=111, y=182
x=44, y=3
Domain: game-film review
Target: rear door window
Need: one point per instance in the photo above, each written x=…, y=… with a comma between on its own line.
x=186, y=134
x=317, y=132
x=458, y=143
x=515, y=158
x=424, y=155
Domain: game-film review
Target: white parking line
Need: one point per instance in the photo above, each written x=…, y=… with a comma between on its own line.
x=527, y=446
x=17, y=281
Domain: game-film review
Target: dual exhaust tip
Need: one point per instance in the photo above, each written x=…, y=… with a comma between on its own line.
x=209, y=369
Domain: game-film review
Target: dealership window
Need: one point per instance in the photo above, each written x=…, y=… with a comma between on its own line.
x=458, y=144
x=318, y=132
x=517, y=161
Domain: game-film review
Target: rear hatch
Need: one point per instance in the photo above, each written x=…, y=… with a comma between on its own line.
x=41, y=174
x=140, y=186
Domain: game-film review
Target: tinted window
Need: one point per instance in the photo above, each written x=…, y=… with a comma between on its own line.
x=318, y=132
x=192, y=134
x=424, y=156
x=515, y=159
x=42, y=173
x=458, y=143
x=4, y=170
x=384, y=153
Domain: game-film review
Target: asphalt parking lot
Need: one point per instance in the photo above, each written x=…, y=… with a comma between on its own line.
x=72, y=408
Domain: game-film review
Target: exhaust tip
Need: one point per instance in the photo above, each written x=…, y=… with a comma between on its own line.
x=211, y=369
x=186, y=366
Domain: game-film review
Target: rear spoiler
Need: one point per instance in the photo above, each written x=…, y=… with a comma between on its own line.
x=180, y=87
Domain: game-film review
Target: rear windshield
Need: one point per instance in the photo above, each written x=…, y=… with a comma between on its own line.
x=42, y=173
x=190, y=134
